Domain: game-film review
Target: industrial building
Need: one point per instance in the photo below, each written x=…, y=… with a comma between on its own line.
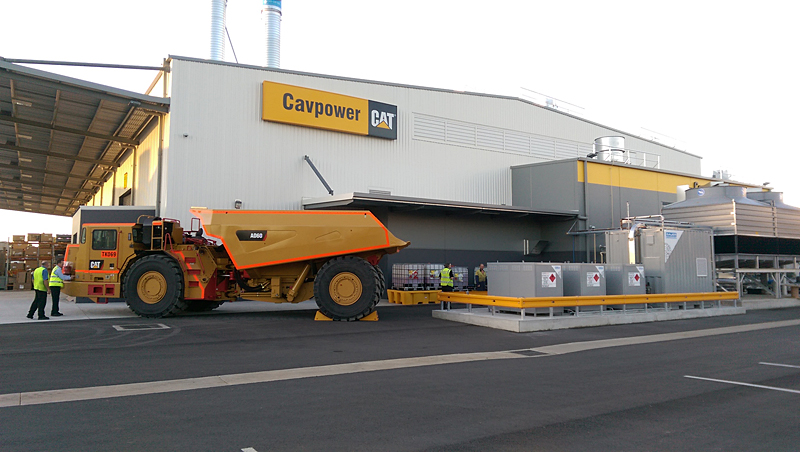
x=466, y=177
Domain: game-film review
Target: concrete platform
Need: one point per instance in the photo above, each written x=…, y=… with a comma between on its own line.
x=481, y=316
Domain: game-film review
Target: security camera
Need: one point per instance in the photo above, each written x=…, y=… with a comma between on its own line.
x=186, y=135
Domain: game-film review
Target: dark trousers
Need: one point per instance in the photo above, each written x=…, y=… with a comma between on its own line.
x=38, y=303
x=55, y=293
x=480, y=285
x=447, y=288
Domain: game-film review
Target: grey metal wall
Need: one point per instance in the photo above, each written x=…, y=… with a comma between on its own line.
x=218, y=148
x=466, y=240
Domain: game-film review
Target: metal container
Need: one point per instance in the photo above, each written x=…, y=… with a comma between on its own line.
x=460, y=278
x=625, y=279
x=584, y=280
x=525, y=280
x=433, y=276
x=676, y=260
x=408, y=276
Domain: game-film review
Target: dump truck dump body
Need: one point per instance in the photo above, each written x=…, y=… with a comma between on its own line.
x=277, y=256
x=265, y=238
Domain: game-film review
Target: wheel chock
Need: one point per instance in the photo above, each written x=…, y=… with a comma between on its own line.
x=372, y=317
x=322, y=317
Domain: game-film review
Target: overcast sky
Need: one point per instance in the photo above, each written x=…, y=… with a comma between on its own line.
x=718, y=79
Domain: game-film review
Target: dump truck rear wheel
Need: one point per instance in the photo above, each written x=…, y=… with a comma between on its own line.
x=381, y=279
x=153, y=287
x=347, y=288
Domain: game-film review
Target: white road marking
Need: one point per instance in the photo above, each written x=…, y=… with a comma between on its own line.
x=217, y=381
x=739, y=383
x=157, y=387
x=141, y=327
x=573, y=347
x=781, y=365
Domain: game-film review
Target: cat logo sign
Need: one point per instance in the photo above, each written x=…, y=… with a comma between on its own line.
x=382, y=120
x=323, y=110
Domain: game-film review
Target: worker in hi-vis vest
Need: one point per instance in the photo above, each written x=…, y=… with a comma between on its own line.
x=446, y=278
x=480, y=278
x=40, y=285
x=57, y=279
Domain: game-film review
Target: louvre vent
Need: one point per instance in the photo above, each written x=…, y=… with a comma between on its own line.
x=457, y=133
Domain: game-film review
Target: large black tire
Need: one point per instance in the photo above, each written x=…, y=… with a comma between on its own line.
x=153, y=287
x=381, y=279
x=204, y=305
x=347, y=288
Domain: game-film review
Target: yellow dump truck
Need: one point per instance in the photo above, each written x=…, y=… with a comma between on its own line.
x=278, y=256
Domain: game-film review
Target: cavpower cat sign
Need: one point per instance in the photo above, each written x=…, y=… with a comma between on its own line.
x=307, y=107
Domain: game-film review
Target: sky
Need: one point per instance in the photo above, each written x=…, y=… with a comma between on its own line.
x=717, y=79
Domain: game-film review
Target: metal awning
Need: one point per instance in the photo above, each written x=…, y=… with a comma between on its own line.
x=401, y=203
x=61, y=137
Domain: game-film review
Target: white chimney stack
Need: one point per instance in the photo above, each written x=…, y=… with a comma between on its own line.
x=218, y=8
x=271, y=14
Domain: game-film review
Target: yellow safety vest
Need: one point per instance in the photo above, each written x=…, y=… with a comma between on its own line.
x=481, y=275
x=55, y=281
x=446, y=278
x=38, y=279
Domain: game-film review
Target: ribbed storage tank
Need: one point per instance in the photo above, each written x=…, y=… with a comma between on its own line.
x=787, y=218
x=726, y=209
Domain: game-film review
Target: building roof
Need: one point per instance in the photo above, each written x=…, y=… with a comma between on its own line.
x=61, y=137
x=400, y=203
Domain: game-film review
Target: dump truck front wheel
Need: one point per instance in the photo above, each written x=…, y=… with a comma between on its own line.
x=347, y=288
x=153, y=287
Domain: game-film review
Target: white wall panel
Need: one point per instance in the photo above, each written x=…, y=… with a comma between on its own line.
x=146, y=173
x=228, y=152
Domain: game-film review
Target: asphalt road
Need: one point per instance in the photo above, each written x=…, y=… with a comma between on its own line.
x=405, y=383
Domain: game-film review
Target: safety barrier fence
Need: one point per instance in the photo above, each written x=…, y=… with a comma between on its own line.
x=649, y=301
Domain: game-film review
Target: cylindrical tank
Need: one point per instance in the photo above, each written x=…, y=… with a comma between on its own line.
x=271, y=14
x=610, y=149
x=218, y=8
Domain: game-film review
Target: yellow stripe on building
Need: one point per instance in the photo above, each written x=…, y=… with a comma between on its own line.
x=637, y=178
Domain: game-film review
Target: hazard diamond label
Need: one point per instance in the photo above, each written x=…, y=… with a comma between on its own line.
x=549, y=279
x=634, y=280
x=592, y=279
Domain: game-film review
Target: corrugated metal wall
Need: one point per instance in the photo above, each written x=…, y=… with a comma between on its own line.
x=219, y=149
x=143, y=179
